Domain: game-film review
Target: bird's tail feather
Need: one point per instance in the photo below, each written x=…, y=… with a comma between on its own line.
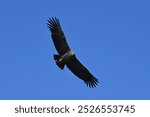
x=60, y=64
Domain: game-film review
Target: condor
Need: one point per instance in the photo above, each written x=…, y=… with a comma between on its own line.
x=67, y=56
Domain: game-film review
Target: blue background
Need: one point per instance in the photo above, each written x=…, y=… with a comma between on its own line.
x=110, y=37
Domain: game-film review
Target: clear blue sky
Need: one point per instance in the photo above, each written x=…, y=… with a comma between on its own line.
x=110, y=37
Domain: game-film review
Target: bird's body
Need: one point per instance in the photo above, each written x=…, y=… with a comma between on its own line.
x=67, y=56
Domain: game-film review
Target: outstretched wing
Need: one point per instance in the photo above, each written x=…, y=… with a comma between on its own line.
x=79, y=70
x=58, y=36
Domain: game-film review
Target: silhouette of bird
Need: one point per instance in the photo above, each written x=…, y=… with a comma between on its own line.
x=66, y=56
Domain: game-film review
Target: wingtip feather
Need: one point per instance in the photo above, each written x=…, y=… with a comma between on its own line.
x=92, y=83
x=53, y=23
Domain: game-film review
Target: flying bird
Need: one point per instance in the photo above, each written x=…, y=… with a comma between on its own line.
x=66, y=56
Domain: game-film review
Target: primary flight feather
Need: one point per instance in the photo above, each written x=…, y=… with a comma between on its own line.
x=66, y=55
